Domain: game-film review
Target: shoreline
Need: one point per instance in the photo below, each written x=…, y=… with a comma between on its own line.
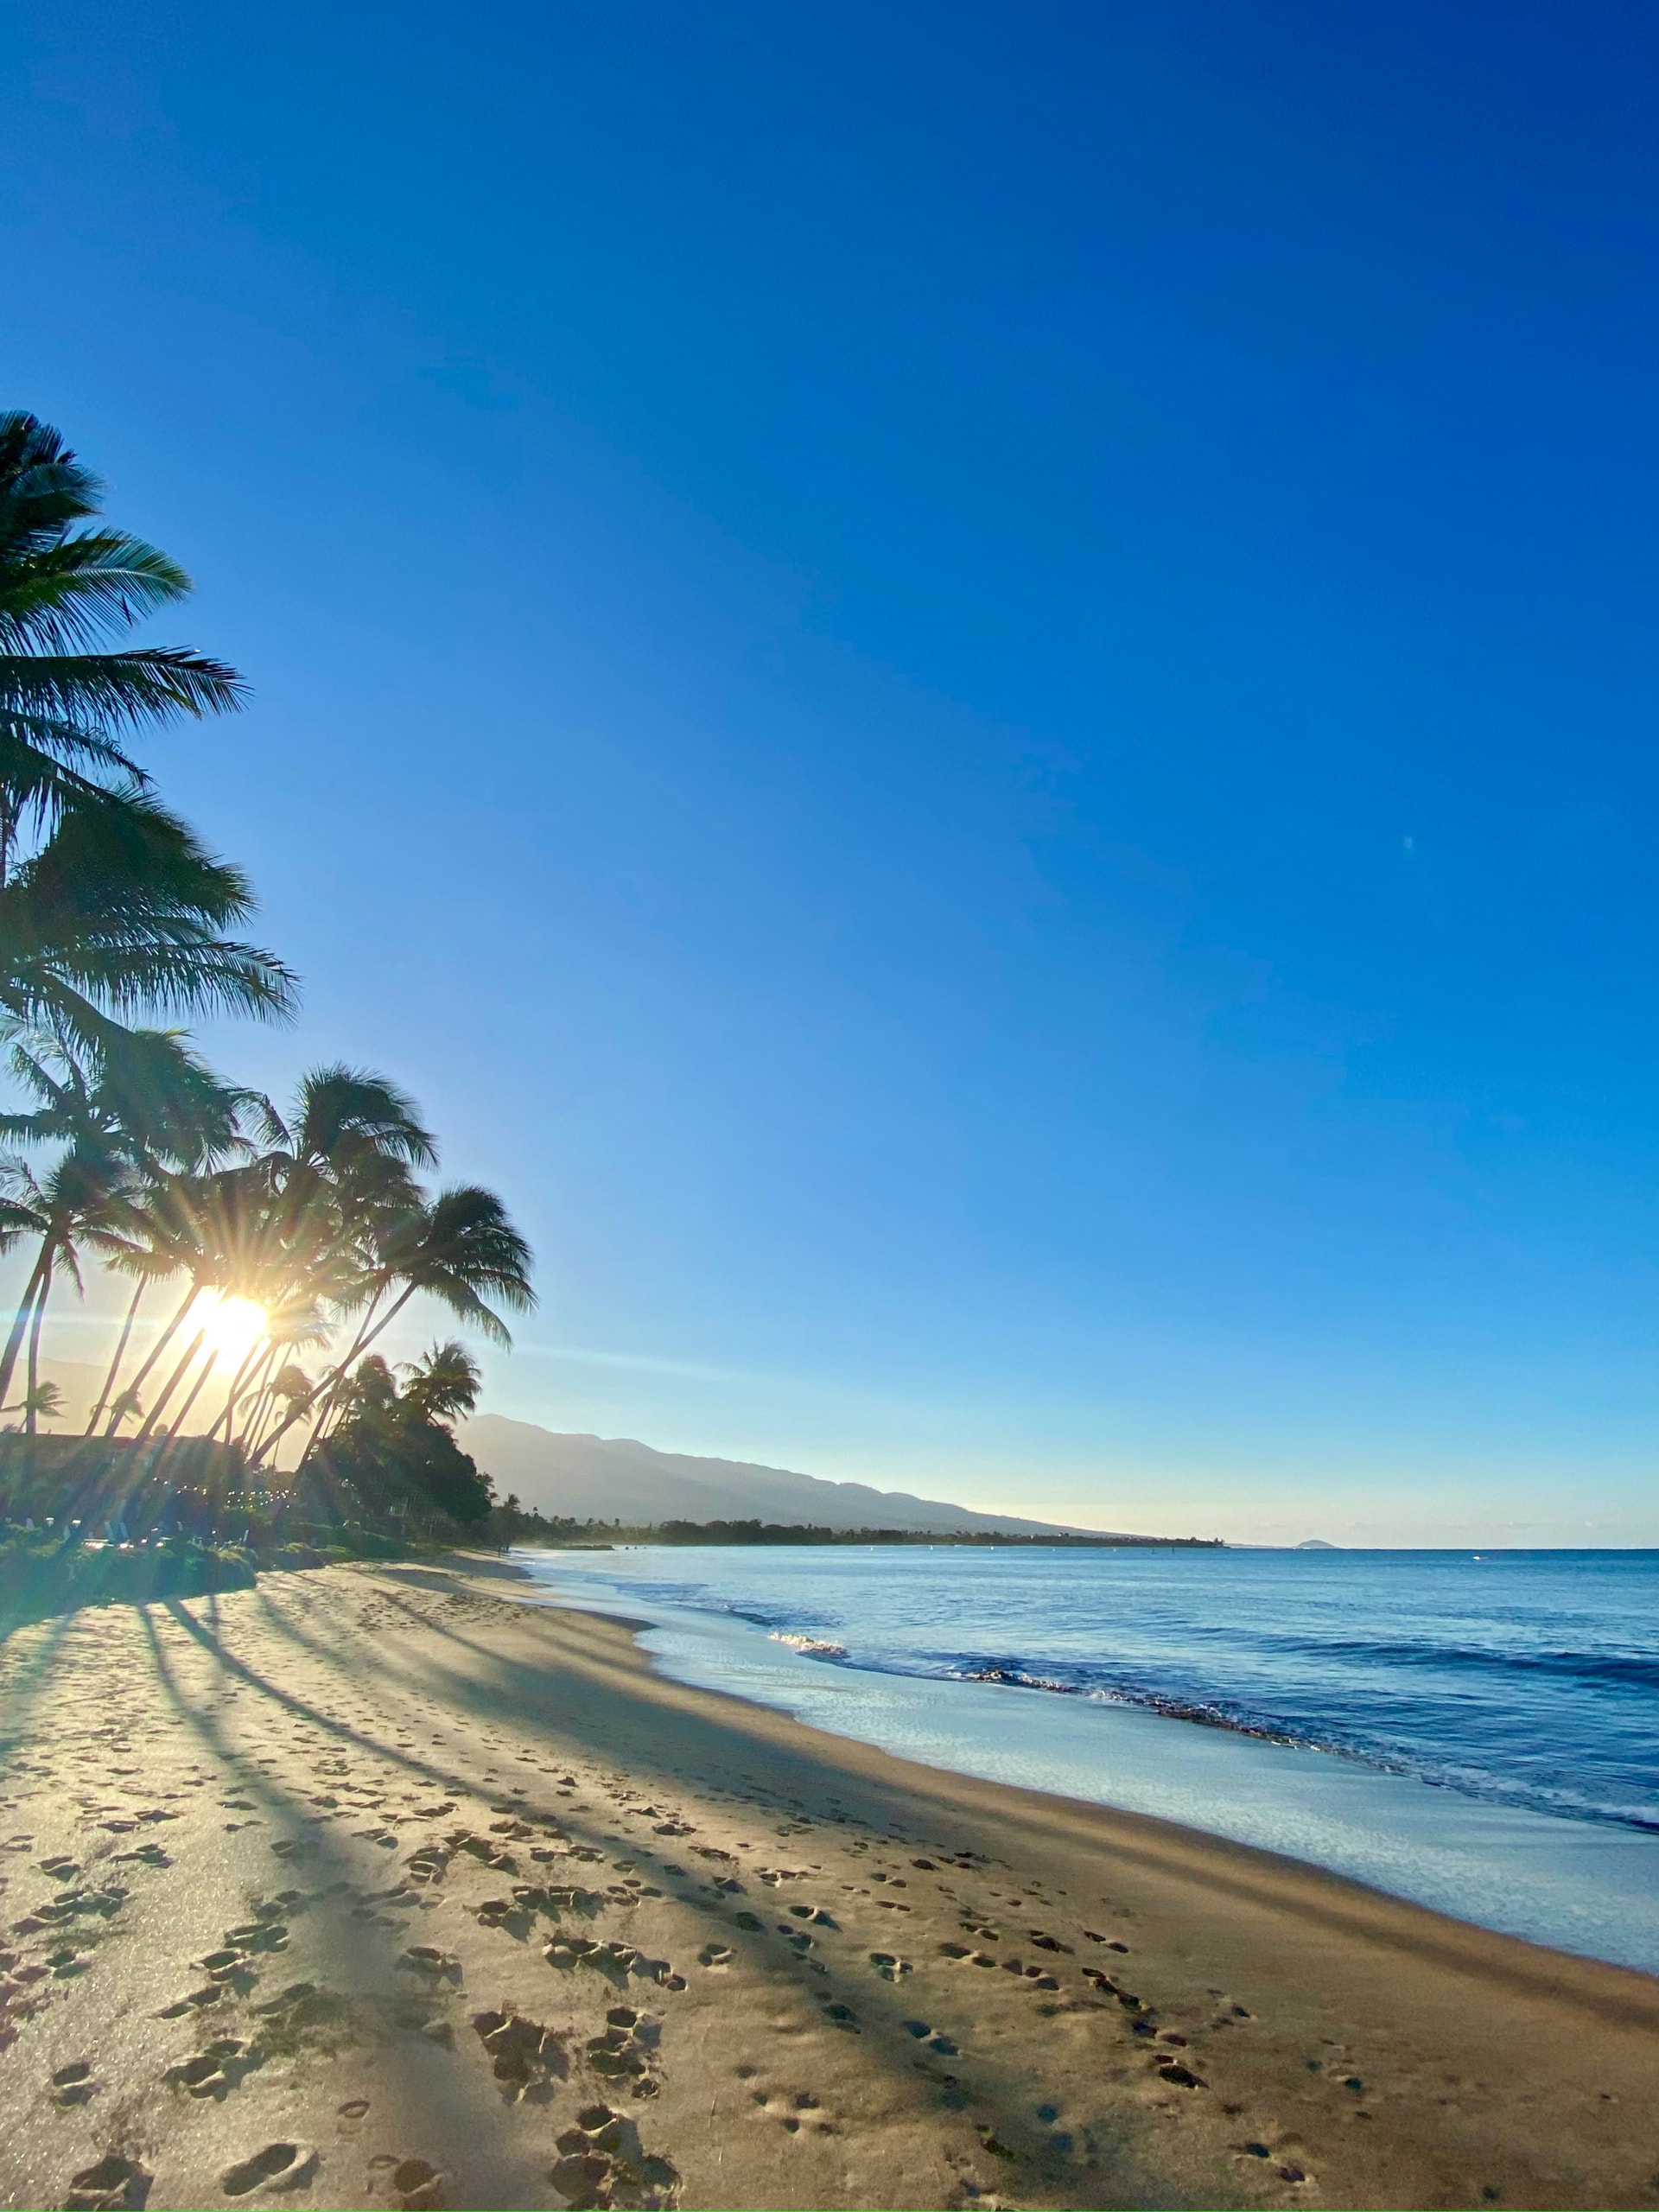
x=1584, y=1886
x=414, y=1776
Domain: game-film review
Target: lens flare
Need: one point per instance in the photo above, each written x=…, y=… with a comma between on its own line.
x=232, y=1326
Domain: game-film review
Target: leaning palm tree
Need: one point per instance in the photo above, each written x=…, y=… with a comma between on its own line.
x=292, y=1229
x=462, y=1249
x=81, y=1201
x=145, y=1103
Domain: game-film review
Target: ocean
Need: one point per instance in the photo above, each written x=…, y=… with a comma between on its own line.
x=1478, y=1731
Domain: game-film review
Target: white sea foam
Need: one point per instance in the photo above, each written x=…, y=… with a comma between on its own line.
x=1587, y=1885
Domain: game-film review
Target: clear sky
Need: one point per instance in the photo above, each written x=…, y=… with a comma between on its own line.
x=970, y=691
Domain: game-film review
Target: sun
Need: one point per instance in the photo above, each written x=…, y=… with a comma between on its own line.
x=231, y=1326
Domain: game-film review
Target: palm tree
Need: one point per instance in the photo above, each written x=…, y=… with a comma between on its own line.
x=44, y=1401
x=122, y=909
x=291, y=1229
x=108, y=903
x=81, y=1201
x=462, y=1251
x=64, y=707
x=146, y=1101
x=443, y=1382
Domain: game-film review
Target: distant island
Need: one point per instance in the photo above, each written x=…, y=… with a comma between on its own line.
x=1317, y=1544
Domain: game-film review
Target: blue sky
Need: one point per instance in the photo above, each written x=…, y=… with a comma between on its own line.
x=971, y=692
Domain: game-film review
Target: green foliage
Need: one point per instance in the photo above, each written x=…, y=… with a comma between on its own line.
x=395, y=1452
x=511, y=1523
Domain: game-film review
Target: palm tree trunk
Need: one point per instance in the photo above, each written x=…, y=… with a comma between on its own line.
x=173, y=1382
x=228, y=1410
x=107, y=1392
x=259, y=1419
x=324, y=1394
x=14, y=1341
x=183, y=1414
x=170, y=1441
x=156, y=1350
x=35, y=1345
x=327, y=1391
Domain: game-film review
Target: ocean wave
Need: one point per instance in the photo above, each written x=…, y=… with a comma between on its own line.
x=1563, y=1802
x=1534, y=1717
x=1622, y=1670
x=1172, y=1708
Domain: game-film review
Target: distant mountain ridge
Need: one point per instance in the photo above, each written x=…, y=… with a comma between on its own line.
x=617, y=1478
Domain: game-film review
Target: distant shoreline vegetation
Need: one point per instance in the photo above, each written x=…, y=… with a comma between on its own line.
x=512, y=1524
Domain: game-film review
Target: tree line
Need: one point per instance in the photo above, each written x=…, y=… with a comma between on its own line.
x=510, y=1523
x=274, y=1244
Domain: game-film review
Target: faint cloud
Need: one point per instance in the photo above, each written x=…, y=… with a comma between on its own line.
x=586, y=1356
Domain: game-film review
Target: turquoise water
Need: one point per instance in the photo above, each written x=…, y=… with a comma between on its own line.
x=1478, y=1732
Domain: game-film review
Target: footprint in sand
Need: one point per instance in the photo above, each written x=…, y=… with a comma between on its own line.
x=72, y=2084
x=217, y=2070
x=278, y=2166
x=213, y=1994
x=602, y=2163
x=889, y=1967
x=527, y=2056
x=430, y=1963
x=416, y=2184
x=1170, y=2069
x=624, y=2051
x=114, y=2182
x=147, y=1854
x=716, y=1955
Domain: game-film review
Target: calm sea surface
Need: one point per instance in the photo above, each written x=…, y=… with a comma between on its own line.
x=1477, y=1730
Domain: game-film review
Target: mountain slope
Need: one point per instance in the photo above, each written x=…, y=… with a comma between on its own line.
x=615, y=1478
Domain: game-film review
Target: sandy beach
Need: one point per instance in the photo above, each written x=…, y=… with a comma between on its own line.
x=372, y=1886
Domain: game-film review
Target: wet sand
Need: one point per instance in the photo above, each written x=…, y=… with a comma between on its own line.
x=371, y=1887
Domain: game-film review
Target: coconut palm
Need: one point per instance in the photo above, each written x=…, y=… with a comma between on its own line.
x=292, y=1230
x=111, y=909
x=81, y=1201
x=443, y=1382
x=65, y=707
x=43, y=1402
x=123, y=910
x=109, y=905
x=394, y=1446
x=146, y=1102
x=462, y=1249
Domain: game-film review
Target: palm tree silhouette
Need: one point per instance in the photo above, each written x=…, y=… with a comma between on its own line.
x=113, y=911
x=462, y=1249
x=109, y=903
x=145, y=1103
